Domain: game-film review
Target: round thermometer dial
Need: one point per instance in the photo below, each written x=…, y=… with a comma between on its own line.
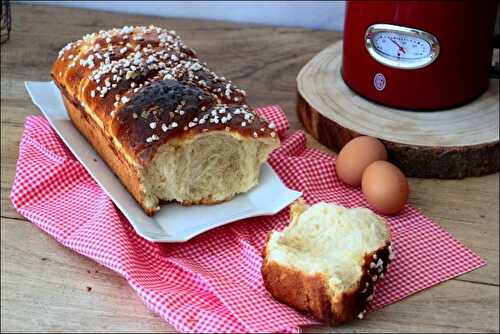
x=401, y=47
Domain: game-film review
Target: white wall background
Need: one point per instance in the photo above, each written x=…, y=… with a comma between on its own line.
x=328, y=15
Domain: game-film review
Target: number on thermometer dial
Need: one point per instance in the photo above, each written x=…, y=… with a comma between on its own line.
x=401, y=46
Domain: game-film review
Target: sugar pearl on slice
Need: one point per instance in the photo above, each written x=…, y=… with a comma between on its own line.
x=152, y=125
x=391, y=253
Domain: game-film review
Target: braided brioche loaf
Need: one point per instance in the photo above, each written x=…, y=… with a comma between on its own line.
x=170, y=129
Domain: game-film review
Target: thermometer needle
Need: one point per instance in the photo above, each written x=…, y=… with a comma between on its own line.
x=399, y=46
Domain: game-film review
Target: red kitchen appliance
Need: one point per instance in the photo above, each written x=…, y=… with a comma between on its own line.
x=419, y=54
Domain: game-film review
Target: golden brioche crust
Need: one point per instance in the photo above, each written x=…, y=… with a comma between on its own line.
x=144, y=86
x=127, y=173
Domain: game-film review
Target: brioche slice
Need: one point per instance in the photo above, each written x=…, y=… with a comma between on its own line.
x=328, y=260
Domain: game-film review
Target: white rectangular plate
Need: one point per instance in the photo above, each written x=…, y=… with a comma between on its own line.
x=173, y=223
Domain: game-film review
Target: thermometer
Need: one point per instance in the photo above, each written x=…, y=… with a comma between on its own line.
x=401, y=47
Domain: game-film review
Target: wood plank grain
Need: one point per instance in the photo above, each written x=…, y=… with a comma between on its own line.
x=50, y=288
x=51, y=294
x=59, y=291
x=453, y=306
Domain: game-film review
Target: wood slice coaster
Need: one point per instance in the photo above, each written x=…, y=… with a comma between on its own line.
x=452, y=143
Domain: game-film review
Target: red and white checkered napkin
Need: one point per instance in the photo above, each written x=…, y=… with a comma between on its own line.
x=213, y=282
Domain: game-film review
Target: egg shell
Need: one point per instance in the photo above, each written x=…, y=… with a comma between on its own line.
x=356, y=155
x=385, y=187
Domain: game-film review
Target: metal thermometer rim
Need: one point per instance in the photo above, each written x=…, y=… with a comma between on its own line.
x=411, y=32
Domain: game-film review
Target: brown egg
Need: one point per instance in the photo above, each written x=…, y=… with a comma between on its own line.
x=385, y=187
x=356, y=155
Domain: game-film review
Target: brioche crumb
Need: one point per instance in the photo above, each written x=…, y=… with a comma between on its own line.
x=330, y=239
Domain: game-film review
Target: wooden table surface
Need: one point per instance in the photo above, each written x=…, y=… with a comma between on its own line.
x=44, y=285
